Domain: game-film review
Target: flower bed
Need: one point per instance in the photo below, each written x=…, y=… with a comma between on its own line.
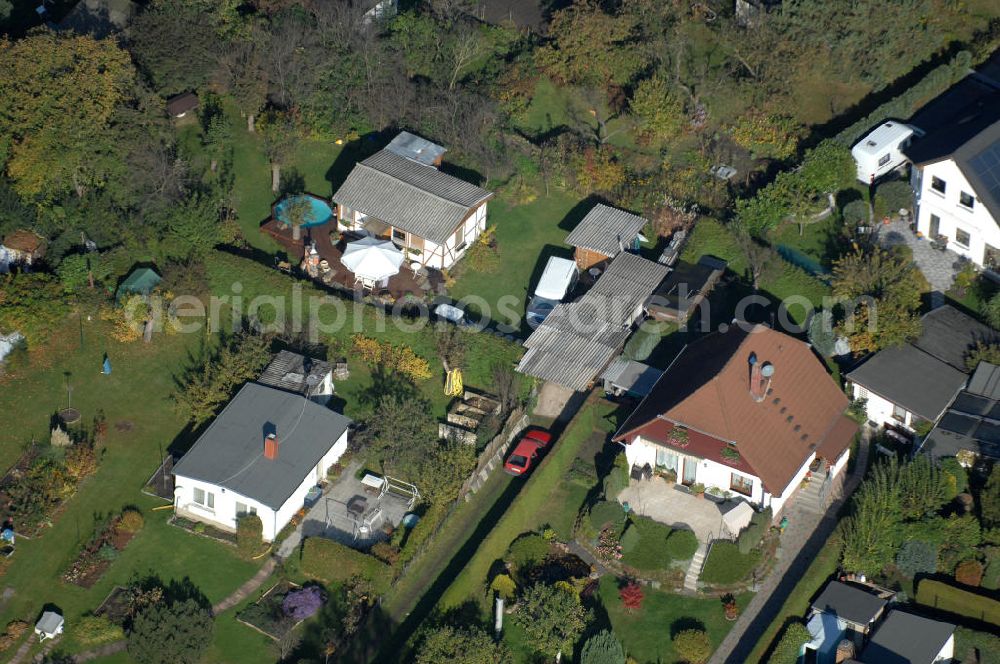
x=205, y=530
x=282, y=608
x=103, y=548
x=115, y=606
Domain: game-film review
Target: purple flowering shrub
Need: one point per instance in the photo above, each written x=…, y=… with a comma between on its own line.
x=302, y=603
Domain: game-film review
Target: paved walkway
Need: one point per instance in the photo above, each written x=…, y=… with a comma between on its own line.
x=938, y=266
x=106, y=650
x=806, y=534
x=247, y=588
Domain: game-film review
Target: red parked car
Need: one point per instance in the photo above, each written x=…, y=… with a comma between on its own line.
x=527, y=451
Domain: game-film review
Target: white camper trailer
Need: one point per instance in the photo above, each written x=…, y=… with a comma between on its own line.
x=557, y=281
x=881, y=151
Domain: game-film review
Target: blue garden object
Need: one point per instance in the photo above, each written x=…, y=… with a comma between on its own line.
x=106, y=367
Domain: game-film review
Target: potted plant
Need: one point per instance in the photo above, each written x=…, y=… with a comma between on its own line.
x=670, y=475
x=698, y=489
x=678, y=436
x=729, y=606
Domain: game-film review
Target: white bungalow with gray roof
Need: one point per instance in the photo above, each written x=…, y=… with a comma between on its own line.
x=261, y=455
x=399, y=194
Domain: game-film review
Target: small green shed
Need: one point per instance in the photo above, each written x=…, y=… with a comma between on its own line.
x=141, y=280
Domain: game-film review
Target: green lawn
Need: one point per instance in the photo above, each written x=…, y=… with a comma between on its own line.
x=823, y=566
x=820, y=241
x=534, y=506
x=527, y=235
x=725, y=564
x=646, y=633
x=142, y=424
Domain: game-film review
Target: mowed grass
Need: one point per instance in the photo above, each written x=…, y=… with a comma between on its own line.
x=142, y=423
x=647, y=633
x=535, y=505
x=528, y=234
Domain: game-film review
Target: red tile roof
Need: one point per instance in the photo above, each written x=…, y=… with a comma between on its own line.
x=707, y=390
x=25, y=241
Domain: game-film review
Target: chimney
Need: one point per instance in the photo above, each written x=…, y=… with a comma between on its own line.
x=760, y=377
x=271, y=447
x=754, y=373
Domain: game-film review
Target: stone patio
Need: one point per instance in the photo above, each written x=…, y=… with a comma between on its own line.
x=675, y=507
x=939, y=267
x=349, y=513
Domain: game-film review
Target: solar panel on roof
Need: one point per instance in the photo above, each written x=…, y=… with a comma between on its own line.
x=958, y=423
x=972, y=404
x=986, y=164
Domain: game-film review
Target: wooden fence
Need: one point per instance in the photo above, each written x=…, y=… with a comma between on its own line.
x=494, y=452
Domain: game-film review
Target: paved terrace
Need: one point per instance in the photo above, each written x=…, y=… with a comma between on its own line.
x=939, y=267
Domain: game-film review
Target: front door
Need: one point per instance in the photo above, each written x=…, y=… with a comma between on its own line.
x=690, y=467
x=935, y=227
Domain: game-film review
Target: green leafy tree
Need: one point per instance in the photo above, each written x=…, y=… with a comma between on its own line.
x=658, y=107
x=60, y=91
x=983, y=353
x=441, y=467
x=553, y=618
x=767, y=136
x=602, y=648
x=193, y=226
x=171, y=633
x=210, y=384
x=959, y=537
x=921, y=491
x=693, y=646
x=400, y=429
x=787, y=650
x=991, y=310
x=298, y=213
x=882, y=289
x=76, y=271
x=589, y=46
x=176, y=45
x=280, y=138
x=989, y=499
x=869, y=533
x=461, y=644
x=32, y=304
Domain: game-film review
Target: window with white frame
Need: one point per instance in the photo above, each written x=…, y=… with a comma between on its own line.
x=938, y=185
x=898, y=413
x=243, y=510
x=204, y=498
x=884, y=159
x=962, y=238
x=965, y=199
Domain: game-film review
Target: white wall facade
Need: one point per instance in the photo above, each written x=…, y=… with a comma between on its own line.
x=954, y=217
x=777, y=503
x=879, y=409
x=223, y=511
x=947, y=653
x=426, y=252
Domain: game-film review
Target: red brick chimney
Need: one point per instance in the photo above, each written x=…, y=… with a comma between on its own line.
x=271, y=447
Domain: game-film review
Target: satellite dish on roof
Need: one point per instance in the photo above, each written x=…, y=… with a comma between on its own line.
x=767, y=370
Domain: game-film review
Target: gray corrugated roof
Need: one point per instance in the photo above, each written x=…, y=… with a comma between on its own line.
x=605, y=229
x=849, y=602
x=230, y=453
x=416, y=148
x=949, y=335
x=414, y=197
x=577, y=341
x=290, y=371
x=905, y=638
x=911, y=378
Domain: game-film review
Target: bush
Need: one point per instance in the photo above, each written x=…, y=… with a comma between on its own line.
x=693, y=646
x=630, y=539
x=969, y=572
x=917, y=557
x=95, y=630
x=107, y=552
x=955, y=477
x=787, y=650
x=895, y=194
x=249, y=535
x=130, y=521
x=725, y=564
x=504, y=586
x=617, y=479
x=330, y=561
x=855, y=213
x=607, y=513
x=951, y=599
x=528, y=550
x=602, y=648
x=681, y=544
x=302, y=603
x=749, y=539
x=650, y=552
x=386, y=552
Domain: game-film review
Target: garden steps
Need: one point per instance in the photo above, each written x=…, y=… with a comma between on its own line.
x=694, y=567
x=809, y=498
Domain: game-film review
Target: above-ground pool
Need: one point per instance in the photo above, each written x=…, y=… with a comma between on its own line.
x=321, y=210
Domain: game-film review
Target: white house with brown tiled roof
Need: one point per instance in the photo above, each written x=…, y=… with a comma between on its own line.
x=746, y=411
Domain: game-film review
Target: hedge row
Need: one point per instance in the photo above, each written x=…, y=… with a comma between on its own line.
x=331, y=561
x=941, y=596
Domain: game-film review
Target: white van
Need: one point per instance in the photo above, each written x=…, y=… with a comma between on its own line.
x=558, y=279
x=881, y=151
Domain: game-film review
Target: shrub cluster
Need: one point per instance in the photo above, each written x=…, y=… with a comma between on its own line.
x=750, y=537
x=249, y=535
x=396, y=358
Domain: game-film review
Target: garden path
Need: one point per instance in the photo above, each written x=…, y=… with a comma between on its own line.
x=106, y=650
x=807, y=532
x=244, y=591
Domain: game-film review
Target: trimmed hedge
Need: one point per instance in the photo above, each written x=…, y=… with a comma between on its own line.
x=330, y=561
x=943, y=597
x=607, y=513
x=682, y=544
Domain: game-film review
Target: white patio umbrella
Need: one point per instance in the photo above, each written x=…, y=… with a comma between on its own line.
x=372, y=259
